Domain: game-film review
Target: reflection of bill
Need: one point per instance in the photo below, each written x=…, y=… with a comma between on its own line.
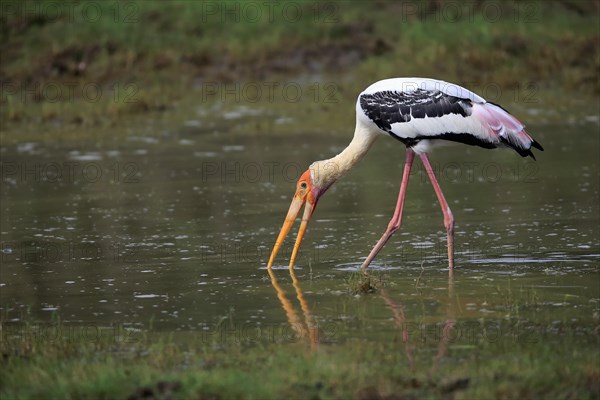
x=308, y=327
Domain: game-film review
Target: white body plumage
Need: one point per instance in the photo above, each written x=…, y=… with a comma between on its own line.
x=419, y=110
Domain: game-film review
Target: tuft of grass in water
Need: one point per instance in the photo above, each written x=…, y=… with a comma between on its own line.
x=359, y=282
x=515, y=301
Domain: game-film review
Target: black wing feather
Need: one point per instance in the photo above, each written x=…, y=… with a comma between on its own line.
x=387, y=107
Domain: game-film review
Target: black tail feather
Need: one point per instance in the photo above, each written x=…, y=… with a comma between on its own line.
x=537, y=145
x=522, y=152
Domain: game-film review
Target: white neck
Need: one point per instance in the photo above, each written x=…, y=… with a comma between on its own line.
x=324, y=173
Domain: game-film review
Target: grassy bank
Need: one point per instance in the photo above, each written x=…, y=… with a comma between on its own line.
x=166, y=366
x=91, y=63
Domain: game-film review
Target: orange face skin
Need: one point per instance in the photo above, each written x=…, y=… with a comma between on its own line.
x=306, y=195
x=305, y=189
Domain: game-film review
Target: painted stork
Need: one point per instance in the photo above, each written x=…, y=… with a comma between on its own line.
x=421, y=113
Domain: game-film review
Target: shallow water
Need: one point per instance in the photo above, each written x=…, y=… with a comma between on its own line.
x=171, y=231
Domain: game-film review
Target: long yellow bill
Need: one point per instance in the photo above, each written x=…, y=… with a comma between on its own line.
x=300, y=199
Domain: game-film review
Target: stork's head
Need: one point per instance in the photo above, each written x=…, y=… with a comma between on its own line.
x=309, y=188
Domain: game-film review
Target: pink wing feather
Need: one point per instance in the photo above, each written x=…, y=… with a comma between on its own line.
x=503, y=127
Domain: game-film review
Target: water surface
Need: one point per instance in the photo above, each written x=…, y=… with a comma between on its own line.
x=170, y=230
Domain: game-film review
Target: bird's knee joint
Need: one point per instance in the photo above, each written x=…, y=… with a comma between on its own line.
x=393, y=228
x=449, y=221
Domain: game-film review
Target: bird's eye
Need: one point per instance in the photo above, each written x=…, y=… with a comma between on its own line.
x=303, y=185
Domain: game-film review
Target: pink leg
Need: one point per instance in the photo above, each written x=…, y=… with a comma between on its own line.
x=396, y=220
x=448, y=218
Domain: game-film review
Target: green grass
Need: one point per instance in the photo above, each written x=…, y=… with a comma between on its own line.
x=146, y=56
x=360, y=282
x=188, y=366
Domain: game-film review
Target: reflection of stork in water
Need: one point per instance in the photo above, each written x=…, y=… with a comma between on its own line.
x=308, y=327
x=420, y=113
x=397, y=310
